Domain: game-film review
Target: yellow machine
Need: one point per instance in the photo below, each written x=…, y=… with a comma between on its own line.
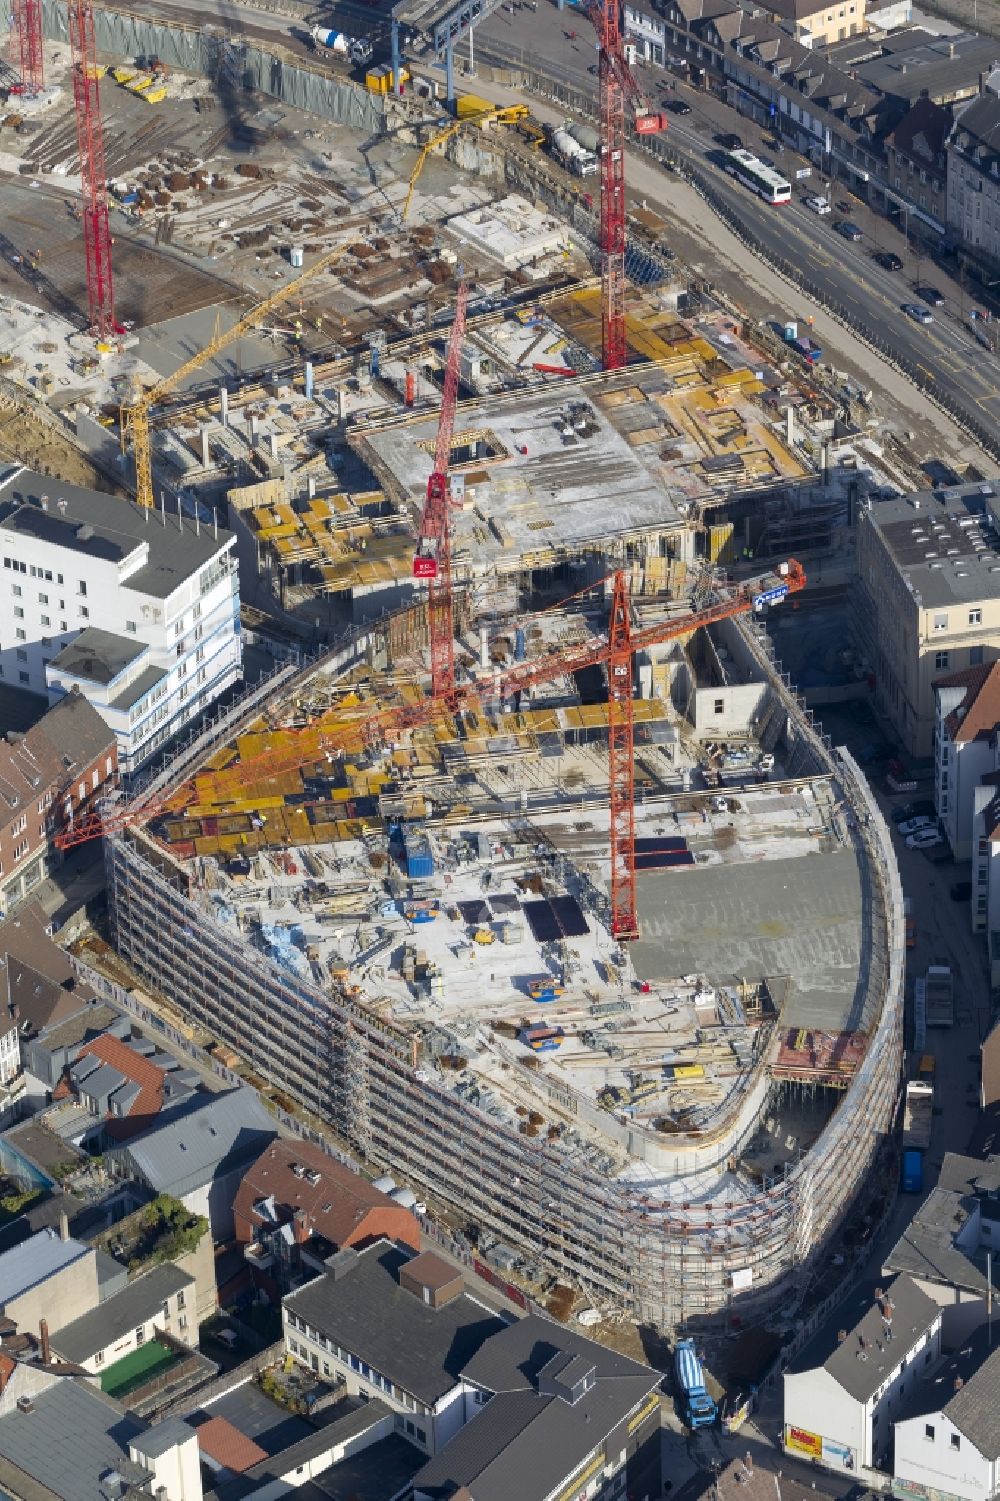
x=506, y=114
x=484, y=936
x=134, y=422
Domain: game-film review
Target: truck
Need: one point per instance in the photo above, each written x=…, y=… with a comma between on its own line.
x=918, y=1115
x=940, y=993
x=356, y=50
x=913, y=1172
x=697, y=1408
x=810, y=352
x=574, y=157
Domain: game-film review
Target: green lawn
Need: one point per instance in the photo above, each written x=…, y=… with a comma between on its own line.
x=135, y=1369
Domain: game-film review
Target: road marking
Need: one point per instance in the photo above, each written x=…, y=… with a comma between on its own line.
x=929, y=373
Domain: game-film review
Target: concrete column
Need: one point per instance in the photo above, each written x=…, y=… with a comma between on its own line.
x=449, y=68
x=484, y=647
x=274, y=444
x=206, y=450
x=254, y=430
x=790, y=424
x=309, y=378
x=223, y=406
x=396, y=60
x=311, y=486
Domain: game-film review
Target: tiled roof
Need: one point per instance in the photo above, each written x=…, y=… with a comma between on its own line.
x=341, y=1206
x=979, y=712
x=223, y=1442
x=148, y=1102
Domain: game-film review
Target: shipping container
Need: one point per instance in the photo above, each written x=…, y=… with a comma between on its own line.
x=918, y=1115
x=913, y=1172
x=419, y=857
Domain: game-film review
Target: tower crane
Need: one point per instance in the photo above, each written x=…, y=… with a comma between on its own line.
x=27, y=28
x=93, y=173
x=134, y=418
x=615, y=82
x=330, y=733
x=503, y=114
x=432, y=560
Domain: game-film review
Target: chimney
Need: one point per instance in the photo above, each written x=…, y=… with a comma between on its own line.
x=951, y=49
x=959, y=1383
x=43, y=1331
x=45, y=502
x=63, y=1226
x=748, y=1461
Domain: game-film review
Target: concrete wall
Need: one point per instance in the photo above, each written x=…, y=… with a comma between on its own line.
x=926, y=1453
x=60, y=1298
x=729, y=710
x=189, y=50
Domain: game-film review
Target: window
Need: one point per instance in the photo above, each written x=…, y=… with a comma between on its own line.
x=15, y=589
x=130, y=627
x=63, y=626
x=43, y=599
x=84, y=613
x=956, y=1442
x=719, y=706
x=82, y=790
x=940, y=622
x=59, y=577
x=975, y=617
x=82, y=588
x=18, y=613
x=975, y=656
x=99, y=1358
x=22, y=655
x=46, y=620
x=180, y=1295
x=107, y=772
x=25, y=677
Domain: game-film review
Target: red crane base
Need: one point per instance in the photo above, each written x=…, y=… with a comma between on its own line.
x=621, y=768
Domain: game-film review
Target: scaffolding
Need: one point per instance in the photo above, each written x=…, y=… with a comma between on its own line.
x=559, y=1202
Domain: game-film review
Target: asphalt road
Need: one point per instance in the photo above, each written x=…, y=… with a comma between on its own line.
x=561, y=45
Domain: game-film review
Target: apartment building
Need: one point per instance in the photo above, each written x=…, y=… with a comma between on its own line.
x=967, y=713
x=844, y=1389
x=137, y=609
x=49, y=776
x=948, y=1444
x=973, y=151
x=918, y=162
x=815, y=25
x=926, y=599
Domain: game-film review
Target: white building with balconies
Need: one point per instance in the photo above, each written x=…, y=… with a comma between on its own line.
x=138, y=609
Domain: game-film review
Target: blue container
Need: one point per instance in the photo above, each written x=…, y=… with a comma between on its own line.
x=913, y=1172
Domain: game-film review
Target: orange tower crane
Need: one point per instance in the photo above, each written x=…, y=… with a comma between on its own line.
x=313, y=742
x=432, y=560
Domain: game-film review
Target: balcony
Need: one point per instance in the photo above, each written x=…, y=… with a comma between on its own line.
x=258, y=1256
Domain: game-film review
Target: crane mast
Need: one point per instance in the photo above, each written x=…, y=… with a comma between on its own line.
x=432, y=560
x=93, y=174
x=27, y=28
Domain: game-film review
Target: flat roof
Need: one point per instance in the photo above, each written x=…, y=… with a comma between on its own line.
x=98, y=656
x=917, y=62
x=73, y=1436
x=177, y=547
x=139, y=687
x=798, y=917
x=946, y=543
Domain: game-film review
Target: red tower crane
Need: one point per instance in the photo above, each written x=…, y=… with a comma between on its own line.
x=93, y=177
x=617, y=651
x=615, y=83
x=621, y=767
x=432, y=560
x=27, y=27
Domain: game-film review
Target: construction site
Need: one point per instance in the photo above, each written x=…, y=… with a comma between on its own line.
x=540, y=889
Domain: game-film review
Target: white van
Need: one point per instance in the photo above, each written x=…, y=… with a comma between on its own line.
x=818, y=205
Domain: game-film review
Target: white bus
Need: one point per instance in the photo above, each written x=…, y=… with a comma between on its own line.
x=753, y=173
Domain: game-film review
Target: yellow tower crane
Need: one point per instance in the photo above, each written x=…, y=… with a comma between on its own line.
x=135, y=417
x=506, y=114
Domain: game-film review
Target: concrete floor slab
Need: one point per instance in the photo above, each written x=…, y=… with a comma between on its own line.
x=799, y=917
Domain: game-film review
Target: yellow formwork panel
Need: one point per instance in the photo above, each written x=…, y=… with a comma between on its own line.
x=207, y=845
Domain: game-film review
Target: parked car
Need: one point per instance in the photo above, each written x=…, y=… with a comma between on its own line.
x=678, y=106
x=889, y=260
x=729, y=141
x=930, y=295
x=925, y=839
x=923, y=807
x=848, y=229
x=961, y=891
x=818, y=205
x=918, y=312
x=914, y=825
